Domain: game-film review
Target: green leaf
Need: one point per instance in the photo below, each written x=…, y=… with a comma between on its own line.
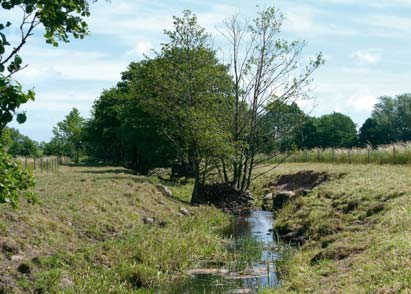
x=21, y=118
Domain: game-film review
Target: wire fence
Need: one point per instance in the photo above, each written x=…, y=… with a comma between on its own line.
x=43, y=164
x=399, y=153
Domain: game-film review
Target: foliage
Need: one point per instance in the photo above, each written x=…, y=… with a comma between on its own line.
x=182, y=108
x=68, y=135
x=266, y=70
x=390, y=121
x=60, y=20
x=336, y=130
x=167, y=109
x=14, y=180
x=122, y=130
x=281, y=126
x=20, y=145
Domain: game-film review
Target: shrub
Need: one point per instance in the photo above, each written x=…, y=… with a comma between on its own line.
x=14, y=180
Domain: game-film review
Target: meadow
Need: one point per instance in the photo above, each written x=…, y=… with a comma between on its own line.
x=356, y=230
x=87, y=234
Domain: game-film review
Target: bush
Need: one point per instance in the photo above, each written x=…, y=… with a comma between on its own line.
x=14, y=180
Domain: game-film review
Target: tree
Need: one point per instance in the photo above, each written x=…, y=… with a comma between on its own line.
x=280, y=127
x=390, y=121
x=265, y=69
x=191, y=88
x=69, y=132
x=336, y=130
x=121, y=130
x=21, y=145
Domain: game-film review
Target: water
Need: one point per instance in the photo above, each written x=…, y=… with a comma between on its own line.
x=258, y=226
x=255, y=268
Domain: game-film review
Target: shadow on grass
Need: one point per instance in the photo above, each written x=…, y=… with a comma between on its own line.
x=111, y=171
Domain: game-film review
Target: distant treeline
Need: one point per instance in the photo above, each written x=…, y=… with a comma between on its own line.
x=289, y=127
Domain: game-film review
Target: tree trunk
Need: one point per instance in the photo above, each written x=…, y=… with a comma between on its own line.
x=77, y=155
x=196, y=195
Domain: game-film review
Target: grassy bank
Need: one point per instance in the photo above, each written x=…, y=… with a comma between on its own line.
x=357, y=229
x=87, y=235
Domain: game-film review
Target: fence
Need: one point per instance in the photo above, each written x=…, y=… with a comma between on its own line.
x=43, y=164
x=388, y=154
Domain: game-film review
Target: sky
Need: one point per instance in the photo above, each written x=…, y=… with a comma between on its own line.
x=366, y=45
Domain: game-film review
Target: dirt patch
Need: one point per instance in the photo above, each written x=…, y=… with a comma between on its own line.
x=287, y=187
x=303, y=180
x=336, y=253
x=227, y=198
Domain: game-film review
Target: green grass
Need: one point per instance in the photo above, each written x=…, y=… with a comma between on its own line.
x=87, y=236
x=357, y=229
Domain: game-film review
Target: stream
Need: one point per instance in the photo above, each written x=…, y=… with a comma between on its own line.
x=254, y=242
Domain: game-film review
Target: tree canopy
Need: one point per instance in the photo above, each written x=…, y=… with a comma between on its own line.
x=390, y=121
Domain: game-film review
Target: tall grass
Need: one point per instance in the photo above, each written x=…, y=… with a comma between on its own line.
x=43, y=164
x=399, y=153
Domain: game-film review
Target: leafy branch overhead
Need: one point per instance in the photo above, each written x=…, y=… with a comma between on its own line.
x=60, y=19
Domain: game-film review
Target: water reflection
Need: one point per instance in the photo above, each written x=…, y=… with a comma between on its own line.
x=255, y=244
x=258, y=226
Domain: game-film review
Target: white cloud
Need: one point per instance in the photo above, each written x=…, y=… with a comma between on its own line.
x=372, y=56
x=305, y=19
x=362, y=101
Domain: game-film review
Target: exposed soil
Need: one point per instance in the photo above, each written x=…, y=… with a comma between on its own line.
x=228, y=198
x=303, y=180
x=288, y=188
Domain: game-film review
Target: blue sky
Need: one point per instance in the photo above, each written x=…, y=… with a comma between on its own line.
x=366, y=45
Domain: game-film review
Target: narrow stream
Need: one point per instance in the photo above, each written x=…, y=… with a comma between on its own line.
x=258, y=226
x=254, y=242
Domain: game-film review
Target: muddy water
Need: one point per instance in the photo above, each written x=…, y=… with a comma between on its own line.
x=254, y=242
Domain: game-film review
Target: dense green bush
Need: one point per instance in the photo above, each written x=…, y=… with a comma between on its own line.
x=14, y=180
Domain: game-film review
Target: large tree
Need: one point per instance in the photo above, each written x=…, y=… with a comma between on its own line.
x=192, y=87
x=265, y=69
x=335, y=130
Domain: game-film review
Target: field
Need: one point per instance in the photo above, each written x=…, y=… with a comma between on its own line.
x=357, y=231
x=399, y=153
x=87, y=234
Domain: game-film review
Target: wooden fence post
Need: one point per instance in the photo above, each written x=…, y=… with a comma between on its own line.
x=318, y=155
x=47, y=165
x=41, y=164
x=368, y=155
x=34, y=159
x=349, y=156
x=25, y=162
x=393, y=148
